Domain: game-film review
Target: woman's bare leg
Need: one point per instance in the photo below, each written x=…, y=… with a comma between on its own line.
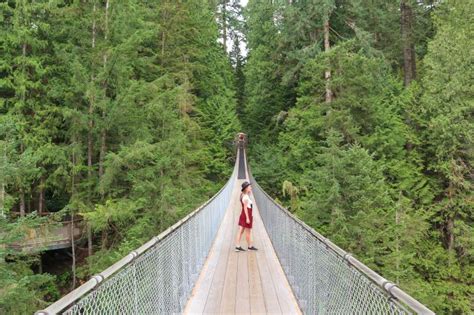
x=239, y=236
x=248, y=237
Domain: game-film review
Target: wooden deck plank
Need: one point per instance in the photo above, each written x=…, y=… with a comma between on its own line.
x=218, y=282
x=257, y=301
x=230, y=289
x=242, y=297
x=270, y=297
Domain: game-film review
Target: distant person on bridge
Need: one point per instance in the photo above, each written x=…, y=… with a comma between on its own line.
x=245, y=219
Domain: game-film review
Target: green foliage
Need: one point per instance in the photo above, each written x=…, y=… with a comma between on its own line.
x=446, y=128
x=382, y=170
x=264, y=97
x=22, y=291
x=125, y=114
x=122, y=112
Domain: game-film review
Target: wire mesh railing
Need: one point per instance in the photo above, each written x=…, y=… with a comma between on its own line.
x=324, y=278
x=158, y=277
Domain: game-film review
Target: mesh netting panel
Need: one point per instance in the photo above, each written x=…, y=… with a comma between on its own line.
x=161, y=279
x=323, y=281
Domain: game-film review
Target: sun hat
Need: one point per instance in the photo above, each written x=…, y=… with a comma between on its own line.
x=245, y=185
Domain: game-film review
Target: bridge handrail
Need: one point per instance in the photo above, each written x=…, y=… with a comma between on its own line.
x=391, y=289
x=96, y=280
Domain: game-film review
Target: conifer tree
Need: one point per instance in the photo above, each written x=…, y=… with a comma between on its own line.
x=264, y=96
x=446, y=111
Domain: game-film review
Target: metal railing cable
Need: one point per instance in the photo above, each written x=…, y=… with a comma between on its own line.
x=158, y=277
x=325, y=279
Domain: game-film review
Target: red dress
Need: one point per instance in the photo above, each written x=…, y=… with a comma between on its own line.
x=242, y=218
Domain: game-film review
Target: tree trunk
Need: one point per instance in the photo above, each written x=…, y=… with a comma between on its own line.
x=327, y=73
x=73, y=192
x=91, y=108
x=224, y=24
x=94, y=8
x=397, y=239
x=449, y=233
x=40, y=264
x=2, y=199
x=406, y=27
x=103, y=147
x=103, y=133
x=41, y=196
x=22, y=149
x=163, y=37
x=2, y=189
x=104, y=238
x=73, y=253
x=22, y=203
x=90, y=148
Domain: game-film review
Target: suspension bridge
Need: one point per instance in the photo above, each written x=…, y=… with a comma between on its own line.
x=191, y=268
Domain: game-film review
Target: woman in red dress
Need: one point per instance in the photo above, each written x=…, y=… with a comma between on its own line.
x=245, y=219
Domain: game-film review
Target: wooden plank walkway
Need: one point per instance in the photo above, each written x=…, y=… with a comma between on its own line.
x=241, y=282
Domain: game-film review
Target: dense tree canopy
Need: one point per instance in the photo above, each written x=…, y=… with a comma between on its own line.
x=359, y=116
x=122, y=112
x=384, y=167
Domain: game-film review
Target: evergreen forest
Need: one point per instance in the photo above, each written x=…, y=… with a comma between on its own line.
x=122, y=114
